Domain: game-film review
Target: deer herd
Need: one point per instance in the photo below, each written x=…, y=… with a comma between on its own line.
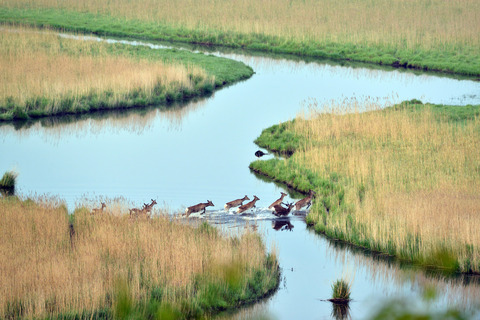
x=280, y=209
x=278, y=205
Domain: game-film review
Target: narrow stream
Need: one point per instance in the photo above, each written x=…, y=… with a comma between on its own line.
x=199, y=151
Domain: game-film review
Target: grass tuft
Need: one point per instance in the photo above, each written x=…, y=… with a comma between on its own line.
x=341, y=290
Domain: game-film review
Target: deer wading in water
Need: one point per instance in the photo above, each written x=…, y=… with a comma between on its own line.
x=99, y=210
x=247, y=206
x=278, y=201
x=199, y=207
x=282, y=211
x=235, y=203
x=307, y=201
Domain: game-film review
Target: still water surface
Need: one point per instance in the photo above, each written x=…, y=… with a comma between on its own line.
x=201, y=151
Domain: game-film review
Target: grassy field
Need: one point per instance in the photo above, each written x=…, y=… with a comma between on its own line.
x=112, y=266
x=402, y=181
x=434, y=35
x=43, y=74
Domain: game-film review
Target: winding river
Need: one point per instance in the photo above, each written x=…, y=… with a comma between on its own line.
x=201, y=150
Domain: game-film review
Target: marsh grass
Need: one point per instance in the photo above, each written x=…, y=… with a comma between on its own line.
x=438, y=35
x=44, y=74
x=55, y=265
x=403, y=181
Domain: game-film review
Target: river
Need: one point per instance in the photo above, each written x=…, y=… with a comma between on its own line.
x=200, y=151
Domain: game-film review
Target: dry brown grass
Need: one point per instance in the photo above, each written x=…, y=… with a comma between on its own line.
x=42, y=64
x=398, y=23
x=49, y=271
x=420, y=177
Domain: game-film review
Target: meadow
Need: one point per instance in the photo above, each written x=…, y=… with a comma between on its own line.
x=44, y=75
x=109, y=265
x=434, y=35
x=402, y=181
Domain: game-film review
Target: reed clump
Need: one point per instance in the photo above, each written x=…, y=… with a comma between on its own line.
x=341, y=290
x=55, y=264
x=8, y=180
x=44, y=74
x=402, y=180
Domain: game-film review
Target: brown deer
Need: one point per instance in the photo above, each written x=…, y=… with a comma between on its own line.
x=198, y=207
x=307, y=201
x=282, y=211
x=278, y=201
x=249, y=205
x=99, y=210
x=235, y=203
x=148, y=207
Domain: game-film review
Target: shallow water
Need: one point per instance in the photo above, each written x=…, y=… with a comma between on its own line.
x=201, y=151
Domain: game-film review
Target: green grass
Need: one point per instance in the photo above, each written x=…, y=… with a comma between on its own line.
x=330, y=204
x=450, y=59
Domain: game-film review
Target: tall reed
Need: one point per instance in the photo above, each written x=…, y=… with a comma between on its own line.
x=401, y=24
x=412, y=177
x=55, y=264
x=46, y=73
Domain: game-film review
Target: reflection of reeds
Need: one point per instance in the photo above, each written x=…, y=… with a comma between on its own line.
x=53, y=263
x=340, y=311
x=404, y=24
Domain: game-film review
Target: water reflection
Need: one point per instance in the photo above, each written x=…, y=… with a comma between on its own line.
x=282, y=224
x=453, y=289
x=340, y=311
x=135, y=120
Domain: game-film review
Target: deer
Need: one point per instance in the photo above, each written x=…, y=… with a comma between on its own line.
x=307, y=201
x=249, y=205
x=99, y=210
x=235, y=203
x=282, y=211
x=278, y=201
x=148, y=207
x=199, y=207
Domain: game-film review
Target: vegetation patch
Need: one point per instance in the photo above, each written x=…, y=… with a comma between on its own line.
x=108, y=265
x=437, y=36
x=399, y=180
x=46, y=75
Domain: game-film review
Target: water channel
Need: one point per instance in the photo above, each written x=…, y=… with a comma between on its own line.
x=198, y=151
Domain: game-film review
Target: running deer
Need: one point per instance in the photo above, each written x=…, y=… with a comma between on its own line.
x=282, y=211
x=278, y=201
x=235, y=203
x=249, y=205
x=307, y=201
x=99, y=210
x=198, y=207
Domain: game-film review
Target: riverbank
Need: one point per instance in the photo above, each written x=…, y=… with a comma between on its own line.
x=109, y=265
x=67, y=76
x=419, y=42
x=400, y=181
